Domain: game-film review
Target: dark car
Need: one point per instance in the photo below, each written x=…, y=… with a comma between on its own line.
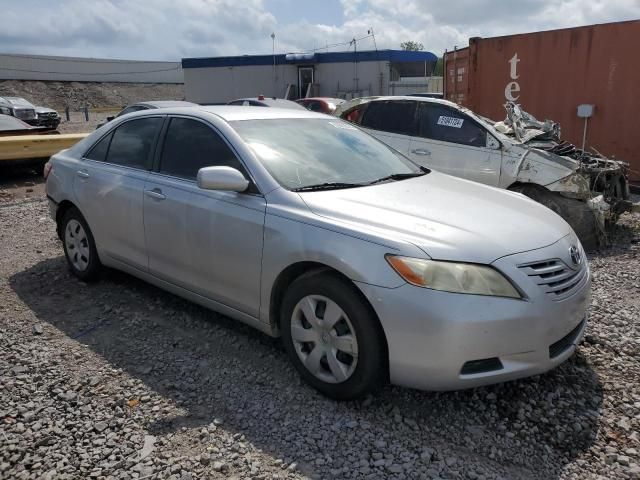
x=136, y=107
x=262, y=101
x=19, y=108
x=25, y=110
x=47, y=117
x=320, y=104
x=12, y=126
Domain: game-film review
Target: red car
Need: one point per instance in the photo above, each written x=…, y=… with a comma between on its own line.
x=320, y=104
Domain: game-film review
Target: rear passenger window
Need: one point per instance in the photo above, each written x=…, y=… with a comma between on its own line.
x=133, y=142
x=99, y=150
x=191, y=145
x=394, y=117
x=448, y=125
x=131, y=109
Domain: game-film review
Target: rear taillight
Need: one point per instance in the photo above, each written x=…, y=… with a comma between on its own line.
x=48, y=167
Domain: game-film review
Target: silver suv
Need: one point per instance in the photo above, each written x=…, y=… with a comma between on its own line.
x=368, y=266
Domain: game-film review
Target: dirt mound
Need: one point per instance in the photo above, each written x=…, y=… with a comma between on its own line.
x=77, y=95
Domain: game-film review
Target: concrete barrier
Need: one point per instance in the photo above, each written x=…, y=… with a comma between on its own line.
x=36, y=146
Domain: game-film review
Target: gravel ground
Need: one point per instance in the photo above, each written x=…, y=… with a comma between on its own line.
x=77, y=95
x=120, y=380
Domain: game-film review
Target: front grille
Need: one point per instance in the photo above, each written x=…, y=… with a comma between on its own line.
x=24, y=114
x=555, y=277
x=565, y=342
x=481, y=366
x=46, y=115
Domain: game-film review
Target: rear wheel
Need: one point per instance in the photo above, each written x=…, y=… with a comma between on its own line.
x=79, y=246
x=332, y=336
x=575, y=212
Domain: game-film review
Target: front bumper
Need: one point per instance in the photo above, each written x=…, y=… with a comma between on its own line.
x=433, y=335
x=53, y=208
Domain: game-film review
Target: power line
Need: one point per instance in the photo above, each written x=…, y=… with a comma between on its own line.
x=79, y=59
x=90, y=74
x=341, y=44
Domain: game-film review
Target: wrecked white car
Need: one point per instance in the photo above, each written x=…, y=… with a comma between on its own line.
x=520, y=154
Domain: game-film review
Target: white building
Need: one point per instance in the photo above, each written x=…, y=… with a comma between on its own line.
x=331, y=74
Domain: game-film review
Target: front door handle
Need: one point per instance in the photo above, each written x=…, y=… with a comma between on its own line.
x=83, y=174
x=421, y=151
x=155, y=193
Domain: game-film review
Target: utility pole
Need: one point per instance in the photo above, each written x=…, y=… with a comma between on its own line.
x=375, y=45
x=355, y=64
x=273, y=50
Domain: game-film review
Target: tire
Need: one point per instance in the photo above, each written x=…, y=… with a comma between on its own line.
x=345, y=360
x=575, y=212
x=79, y=246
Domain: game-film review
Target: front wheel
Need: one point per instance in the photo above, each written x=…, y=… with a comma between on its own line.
x=332, y=336
x=575, y=212
x=79, y=246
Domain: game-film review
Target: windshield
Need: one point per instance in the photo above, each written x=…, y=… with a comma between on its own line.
x=19, y=101
x=301, y=152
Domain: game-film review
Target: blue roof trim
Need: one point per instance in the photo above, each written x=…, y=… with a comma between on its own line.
x=329, y=57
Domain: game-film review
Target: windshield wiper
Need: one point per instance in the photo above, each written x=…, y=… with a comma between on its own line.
x=401, y=176
x=326, y=186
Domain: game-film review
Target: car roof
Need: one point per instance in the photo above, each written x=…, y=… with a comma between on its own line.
x=326, y=99
x=166, y=103
x=415, y=99
x=7, y=122
x=231, y=113
x=271, y=102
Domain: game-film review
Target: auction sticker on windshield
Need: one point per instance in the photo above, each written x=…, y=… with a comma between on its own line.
x=450, y=121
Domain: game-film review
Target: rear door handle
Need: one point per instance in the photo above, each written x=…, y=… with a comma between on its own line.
x=421, y=151
x=155, y=193
x=83, y=174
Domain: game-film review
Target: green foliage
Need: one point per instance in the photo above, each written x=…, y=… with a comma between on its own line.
x=412, y=46
x=439, y=67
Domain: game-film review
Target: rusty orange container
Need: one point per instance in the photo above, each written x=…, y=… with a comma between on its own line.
x=550, y=73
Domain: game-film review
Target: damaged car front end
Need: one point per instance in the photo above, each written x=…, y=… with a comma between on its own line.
x=599, y=183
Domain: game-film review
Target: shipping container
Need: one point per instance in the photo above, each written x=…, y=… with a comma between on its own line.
x=550, y=73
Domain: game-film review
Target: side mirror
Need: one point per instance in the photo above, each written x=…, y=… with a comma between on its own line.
x=222, y=178
x=110, y=118
x=493, y=142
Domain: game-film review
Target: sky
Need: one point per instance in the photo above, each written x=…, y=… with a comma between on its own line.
x=175, y=29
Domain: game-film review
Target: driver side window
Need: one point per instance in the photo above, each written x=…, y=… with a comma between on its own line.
x=439, y=122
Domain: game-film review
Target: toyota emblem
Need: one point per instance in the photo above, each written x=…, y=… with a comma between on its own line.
x=576, y=258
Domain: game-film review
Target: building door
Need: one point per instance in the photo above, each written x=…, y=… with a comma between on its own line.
x=305, y=78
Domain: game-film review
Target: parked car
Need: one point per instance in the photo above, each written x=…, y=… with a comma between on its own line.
x=11, y=126
x=48, y=117
x=262, y=101
x=136, y=107
x=586, y=190
x=370, y=268
x=30, y=113
x=320, y=104
x=19, y=108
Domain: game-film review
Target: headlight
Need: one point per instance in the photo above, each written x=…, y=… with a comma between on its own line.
x=453, y=277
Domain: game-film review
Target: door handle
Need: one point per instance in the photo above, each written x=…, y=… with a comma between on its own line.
x=155, y=193
x=421, y=151
x=83, y=174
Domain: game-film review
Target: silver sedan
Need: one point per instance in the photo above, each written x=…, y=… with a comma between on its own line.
x=370, y=268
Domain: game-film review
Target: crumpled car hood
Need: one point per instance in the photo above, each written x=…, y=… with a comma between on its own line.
x=447, y=217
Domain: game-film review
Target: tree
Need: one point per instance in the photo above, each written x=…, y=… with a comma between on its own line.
x=439, y=67
x=411, y=45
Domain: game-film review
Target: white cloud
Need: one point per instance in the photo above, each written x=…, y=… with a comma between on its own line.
x=170, y=30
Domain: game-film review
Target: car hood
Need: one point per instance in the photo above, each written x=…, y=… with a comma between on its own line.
x=448, y=218
x=45, y=110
